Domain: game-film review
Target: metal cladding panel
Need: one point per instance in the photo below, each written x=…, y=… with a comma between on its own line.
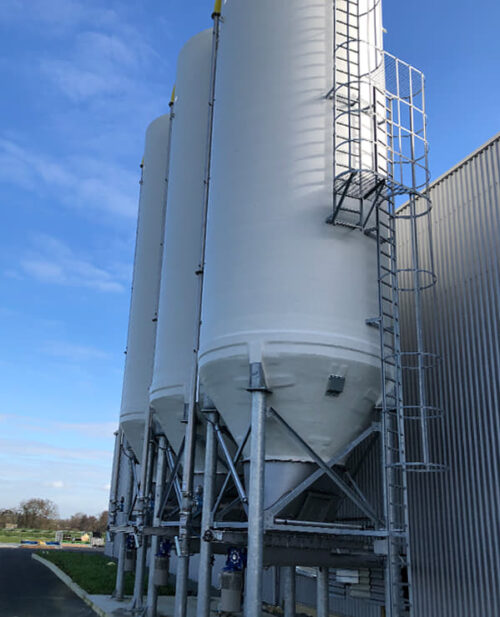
x=146, y=284
x=281, y=286
x=455, y=515
x=177, y=312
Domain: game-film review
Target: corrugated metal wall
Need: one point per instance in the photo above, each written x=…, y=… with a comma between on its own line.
x=455, y=515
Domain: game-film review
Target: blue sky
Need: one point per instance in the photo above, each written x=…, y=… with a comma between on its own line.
x=81, y=79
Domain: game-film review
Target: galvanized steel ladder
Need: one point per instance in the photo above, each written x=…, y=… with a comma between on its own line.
x=377, y=159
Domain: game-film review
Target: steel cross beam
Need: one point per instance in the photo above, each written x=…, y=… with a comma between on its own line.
x=174, y=464
x=174, y=478
x=360, y=501
x=229, y=475
x=305, y=484
x=352, y=475
x=232, y=469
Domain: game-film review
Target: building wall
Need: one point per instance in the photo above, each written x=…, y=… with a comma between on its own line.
x=455, y=515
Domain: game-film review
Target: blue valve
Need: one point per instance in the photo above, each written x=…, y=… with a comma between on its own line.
x=164, y=548
x=236, y=559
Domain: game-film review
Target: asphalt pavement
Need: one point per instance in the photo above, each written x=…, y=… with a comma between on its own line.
x=29, y=589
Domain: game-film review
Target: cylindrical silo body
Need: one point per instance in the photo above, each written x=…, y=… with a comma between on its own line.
x=146, y=284
x=177, y=315
x=281, y=286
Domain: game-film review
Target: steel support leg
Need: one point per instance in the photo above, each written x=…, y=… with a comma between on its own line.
x=184, y=539
x=322, y=597
x=161, y=463
x=205, y=567
x=146, y=473
x=289, y=590
x=253, y=589
x=120, y=569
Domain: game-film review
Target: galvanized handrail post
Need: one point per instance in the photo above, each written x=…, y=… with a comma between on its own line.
x=161, y=462
x=205, y=566
x=253, y=588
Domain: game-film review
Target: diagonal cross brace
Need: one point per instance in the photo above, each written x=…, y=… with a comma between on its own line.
x=174, y=479
x=239, y=452
x=305, y=484
x=232, y=469
x=359, y=500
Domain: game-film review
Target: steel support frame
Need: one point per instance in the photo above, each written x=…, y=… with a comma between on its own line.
x=205, y=565
x=147, y=463
x=255, y=544
x=113, y=501
x=161, y=460
x=121, y=536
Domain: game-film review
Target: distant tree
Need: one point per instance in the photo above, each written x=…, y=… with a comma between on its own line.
x=8, y=516
x=102, y=523
x=37, y=513
x=78, y=521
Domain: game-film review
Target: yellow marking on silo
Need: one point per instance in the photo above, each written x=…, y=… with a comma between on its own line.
x=217, y=7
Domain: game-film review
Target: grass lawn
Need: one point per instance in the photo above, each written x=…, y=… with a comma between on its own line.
x=95, y=573
x=16, y=535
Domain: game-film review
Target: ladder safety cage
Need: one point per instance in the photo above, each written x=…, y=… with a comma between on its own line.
x=380, y=162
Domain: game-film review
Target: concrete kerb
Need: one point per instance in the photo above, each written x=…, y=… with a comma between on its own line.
x=71, y=584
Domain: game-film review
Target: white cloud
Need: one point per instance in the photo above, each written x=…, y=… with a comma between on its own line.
x=70, y=351
x=58, y=15
x=24, y=449
x=33, y=463
x=56, y=484
x=79, y=181
x=80, y=84
x=95, y=430
x=52, y=261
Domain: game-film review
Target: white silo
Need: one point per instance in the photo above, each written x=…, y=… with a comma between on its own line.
x=146, y=284
x=177, y=315
x=282, y=288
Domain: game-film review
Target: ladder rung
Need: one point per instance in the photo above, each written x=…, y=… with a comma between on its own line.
x=393, y=272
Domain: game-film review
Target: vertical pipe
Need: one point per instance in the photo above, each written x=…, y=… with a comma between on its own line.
x=253, y=589
x=160, y=483
x=322, y=595
x=289, y=591
x=141, y=504
x=180, y=608
x=127, y=503
x=205, y=567
x=187, y=476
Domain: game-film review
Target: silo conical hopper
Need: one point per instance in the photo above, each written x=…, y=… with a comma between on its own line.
x=177, y=315
x=281, y=287
x=146, y=285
